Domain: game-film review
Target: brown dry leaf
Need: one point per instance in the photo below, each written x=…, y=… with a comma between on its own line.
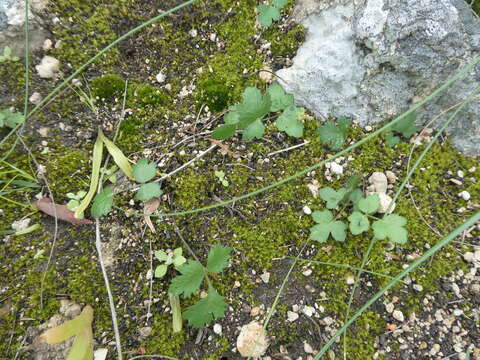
x=62, y=212
x=5, y=309
x=149, y=208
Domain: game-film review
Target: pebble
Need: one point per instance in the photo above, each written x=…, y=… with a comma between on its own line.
x=398, y=315
x=469, y=256
x=307, y=210
x=307, y=272
x=255, y=311
x=193, y=33
x=265, y=277
x=418, y=287
x=48, y=67
x=465, y=195
x=47, y=45
x=385, y=202
x=350, y=280
x=435, y=349
x=456, y=290
x=458, y=312
x=252, y=340
x=308, y=310
x=217, y=329
x=336, y=168
x=389, y=307
x=35, y=98
x=307, y=348
x=368, y=128
x=292, y=316
x=460, y=173
x=160, y=77
x=379, y=181
x=391, y=177
x=328, y=321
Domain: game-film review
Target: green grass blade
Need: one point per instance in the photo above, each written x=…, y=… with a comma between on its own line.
x=97, y=159
x=117, y=155
x=426, y=256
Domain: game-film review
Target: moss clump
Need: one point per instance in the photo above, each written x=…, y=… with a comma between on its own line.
x=148, y=95
x=215, y=94
x=108, y=86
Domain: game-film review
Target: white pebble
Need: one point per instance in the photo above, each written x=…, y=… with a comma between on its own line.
x=418, y=287
x=389, y=307
x=307, y=272
x=308, y=310
x=379, y=181
x=328, y=321
x=398, y=315
x=336, y=168
x=458, y=312
x=307, y=210
x=35, y=98
x=160, y=77
x=460, y=173
x=465, y=195
x=265, y=277
x=217, y=329
x=48, y=67
x=350, y=280
x=193, y=33
x=292, y=316
x=368, y=128
x=307, y=348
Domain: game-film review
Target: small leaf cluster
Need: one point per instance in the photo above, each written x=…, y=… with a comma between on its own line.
x=192, y=275
x=11, y=119
x=174, y=258
x=405, y=127
x=7, y=55
x=271, y=12
x=75, y=198
x=221, y=178
x=247, y=116
x=143, y=171
x=363, y=208
x=334, y=134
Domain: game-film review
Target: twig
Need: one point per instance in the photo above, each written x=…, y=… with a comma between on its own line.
x=289, y=148
x=150, y=290
x=98, y=245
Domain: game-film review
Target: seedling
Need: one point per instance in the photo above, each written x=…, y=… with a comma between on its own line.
x=405, y=127
x=7, y=55
x=75, y=198
x=221, y=178
x=110, y=173
x=11, y=119
x=174, y=258
x=271, y=12
x=334, y=134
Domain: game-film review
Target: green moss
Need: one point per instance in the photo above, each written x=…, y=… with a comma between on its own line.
x=148, y=95
x=476, y=7
x=215, y=94
x=107, y=86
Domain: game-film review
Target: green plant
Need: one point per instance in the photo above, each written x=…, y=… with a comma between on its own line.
x=10, y=118
x=174, y=258
x=247, y=116
x=107, y=86
x=193, y=274
x=7, y=55
x=144, y=171
x=334, y=134
x=391, y=226
x=405, y=127
x=75, y=198
x=221, y=178
x=271, y=12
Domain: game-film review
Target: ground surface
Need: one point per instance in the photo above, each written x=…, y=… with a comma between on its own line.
x=209, y=53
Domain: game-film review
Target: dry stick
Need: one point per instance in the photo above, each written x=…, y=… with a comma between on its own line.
x=289, y=148
x=98, y=245
x=150, y=290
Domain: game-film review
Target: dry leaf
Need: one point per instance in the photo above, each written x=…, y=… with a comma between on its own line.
x=149, y=208
x=5, y=309
x=62, y=212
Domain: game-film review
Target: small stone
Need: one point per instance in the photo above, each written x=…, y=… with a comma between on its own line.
x=458, y=312
x=435, y=349
x=47, y=45
x=398, y=315
x=160, y=77
x=456, y=182
x=460, y=173
x=217, y=329
x=328, y=320
x=292, y=316
x=237, y=284
x=391, y=177
x=145, y=331
x=476, y=255
x=368, y=128
x=336, y=168
x=469, y=256
x=20, y=225
x=456, y=290
x=252, y=340
x=313, y=187
x=265, y=74
x=385, y=201
x=308, y=310
x=389, y=307
x=307, y=348
x=48, y=67
x=255, y=311
x=472, y=169
x=35, y=98
x=213, y=37
x=307, y=210
x=265, y=277
x=350, y=280
x=475, y=288
x=193, y=33
x=379, y=181
x=465, y=195
x=418, y=287
x=307, y=272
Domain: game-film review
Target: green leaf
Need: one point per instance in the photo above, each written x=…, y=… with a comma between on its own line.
x=144, y=171
x=290, y=121
x=161, y=255
x=224, y=131
x=255, y=130
x=73, y=205
x=279, y=98
x=267, y=14
x=232, y=117
x=7, y=51
x=206, y=310
x=358, y=223
x=279, y=3
x=102, y=203
x=179, y=261
x=161, y=270
x=391, y=140
x=218, y=258
x=355, y=196
x=392, y=227
x=148, y=191
x=192, y=274
x=334, y=134
x=332, y=197
x=254, y=107
x=326, y=226
x=406, y=126
x=117, y=155
x=370, y=204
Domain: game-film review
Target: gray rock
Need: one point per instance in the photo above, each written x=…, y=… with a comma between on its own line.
x=372, y=59
x=12, y=20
